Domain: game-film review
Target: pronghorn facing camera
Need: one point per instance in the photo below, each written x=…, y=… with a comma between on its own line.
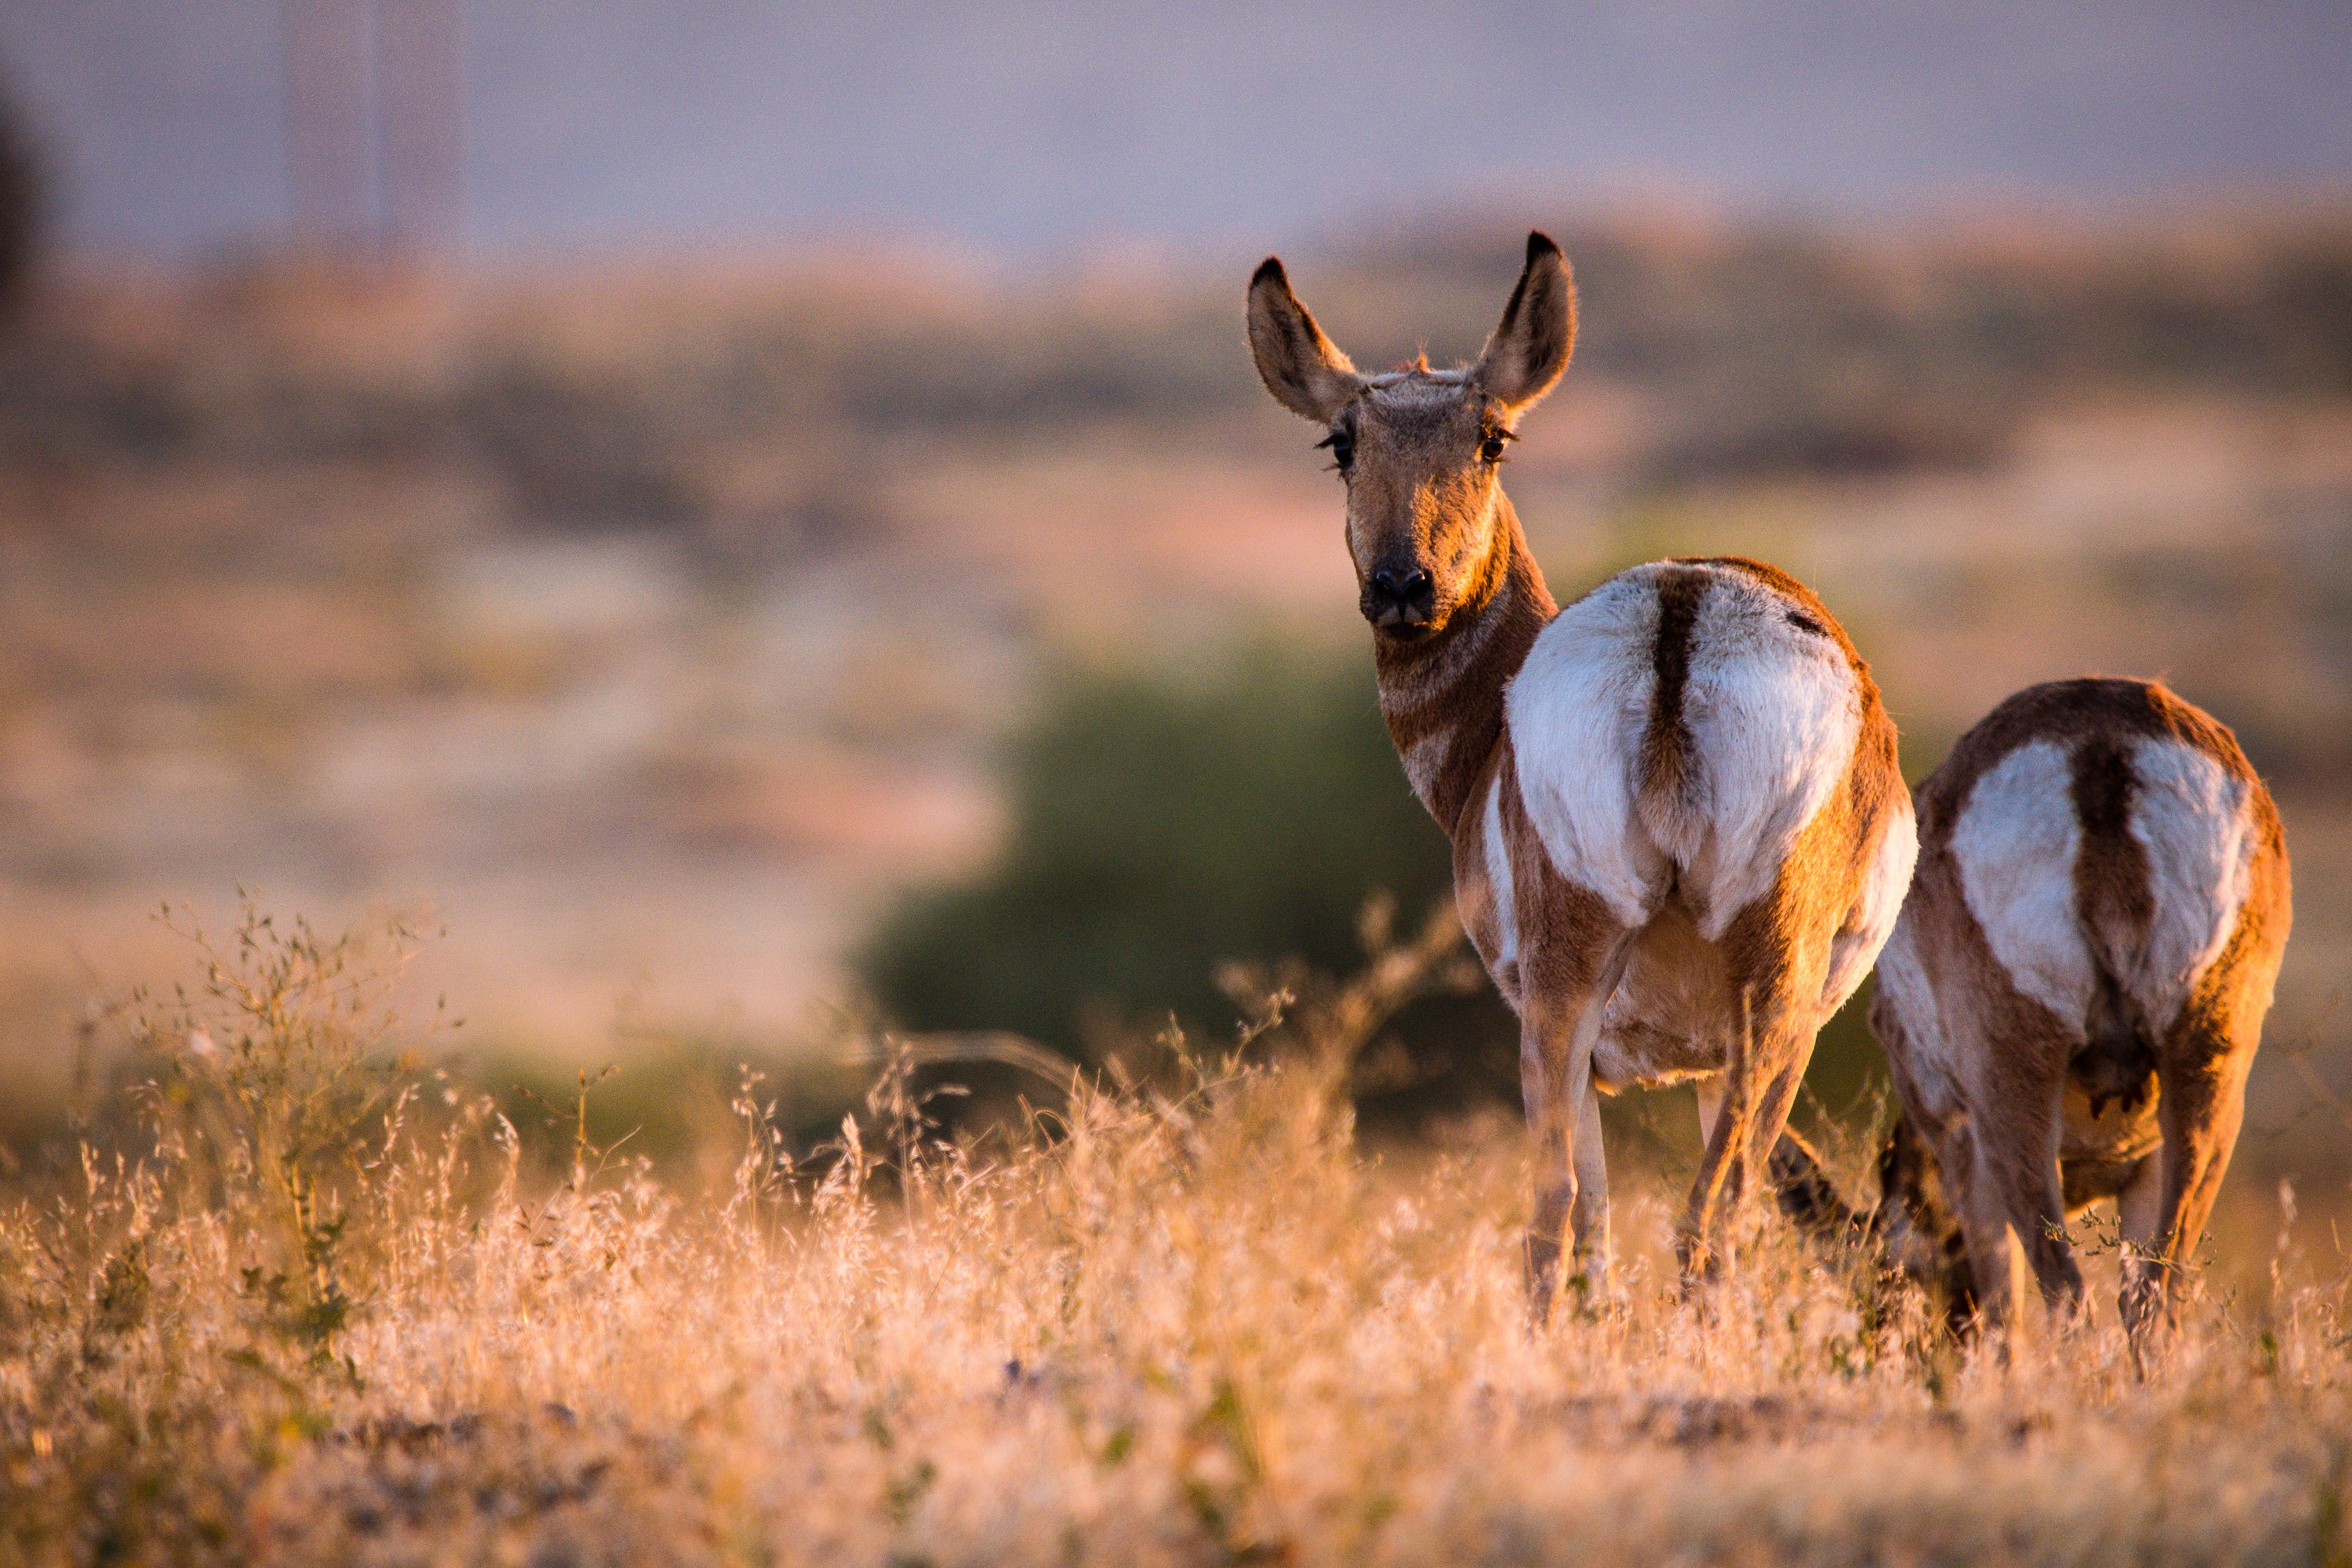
x=2072, y=997
x=1679, y=832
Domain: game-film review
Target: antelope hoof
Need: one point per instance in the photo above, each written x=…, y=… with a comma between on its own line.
x=1543, y=1272
x=2143, y=1307
x=1589, y=1289
x=1701, y=1264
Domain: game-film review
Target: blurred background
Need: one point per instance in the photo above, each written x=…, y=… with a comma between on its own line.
x=759, y=519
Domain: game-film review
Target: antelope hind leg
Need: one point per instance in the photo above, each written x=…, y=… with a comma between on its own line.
x=2012, y=1206
x=2201, y=1101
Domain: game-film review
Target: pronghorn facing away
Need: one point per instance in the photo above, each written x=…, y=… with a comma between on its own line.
x=1679, y=832
x=2073, y=994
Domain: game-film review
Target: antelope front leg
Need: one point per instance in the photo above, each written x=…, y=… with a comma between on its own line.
x=1727, y=1110
x=1551, y=1083
x=1726, y=1177
x=1556, y=1039
x=1721, y=1112
x=2139, y=1208
x=1741, y=1113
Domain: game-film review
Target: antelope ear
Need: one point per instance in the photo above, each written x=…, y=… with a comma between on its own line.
x=1298, y=364
x=1530, y=348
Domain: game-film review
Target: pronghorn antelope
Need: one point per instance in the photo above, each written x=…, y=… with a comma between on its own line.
x=2073, y=994
x=1679, y=831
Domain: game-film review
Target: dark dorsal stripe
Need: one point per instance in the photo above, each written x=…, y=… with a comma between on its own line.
x=2111, y=870
x=1667, y=744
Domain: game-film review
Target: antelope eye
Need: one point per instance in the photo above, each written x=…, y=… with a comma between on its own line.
x=1490, y=450
x=1342, y=447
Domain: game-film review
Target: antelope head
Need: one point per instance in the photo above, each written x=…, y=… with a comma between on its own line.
x=1420, y=450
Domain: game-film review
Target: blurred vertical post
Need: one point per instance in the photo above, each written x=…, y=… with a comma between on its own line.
x=418, y=101
x=329, y=185
x=23, y=197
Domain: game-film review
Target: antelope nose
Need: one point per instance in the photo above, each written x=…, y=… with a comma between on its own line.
x=1396, y=598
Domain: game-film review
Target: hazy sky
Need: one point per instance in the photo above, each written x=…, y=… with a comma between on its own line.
x=1009, y=127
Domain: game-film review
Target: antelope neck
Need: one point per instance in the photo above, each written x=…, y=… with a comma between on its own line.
x=1442, y=697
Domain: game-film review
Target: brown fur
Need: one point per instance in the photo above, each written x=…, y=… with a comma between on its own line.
x=1447, y=690
x=1420, y=452
x=2144, y=1114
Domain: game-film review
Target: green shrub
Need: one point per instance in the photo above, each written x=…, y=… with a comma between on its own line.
x=1162, y=833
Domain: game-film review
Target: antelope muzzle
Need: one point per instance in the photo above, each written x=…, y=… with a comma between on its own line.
x=1400, y=600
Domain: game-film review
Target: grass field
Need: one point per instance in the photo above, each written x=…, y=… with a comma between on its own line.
x=322, y=1310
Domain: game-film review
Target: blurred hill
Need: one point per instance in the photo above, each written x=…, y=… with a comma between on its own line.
x=657, y=624
x=662, y=395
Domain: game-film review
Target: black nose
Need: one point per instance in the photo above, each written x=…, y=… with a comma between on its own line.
x=1400, y=597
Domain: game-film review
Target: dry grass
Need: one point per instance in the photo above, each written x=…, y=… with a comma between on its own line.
x=308, y=1321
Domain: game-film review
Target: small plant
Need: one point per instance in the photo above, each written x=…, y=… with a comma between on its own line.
x=276, y=1092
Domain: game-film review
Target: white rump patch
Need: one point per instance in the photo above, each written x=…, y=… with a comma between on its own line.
x=1498, y=880
x=1875, y=908
x=2016, y=842
x=1576, y=711
x=1773, y=712
x=2190, y=815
